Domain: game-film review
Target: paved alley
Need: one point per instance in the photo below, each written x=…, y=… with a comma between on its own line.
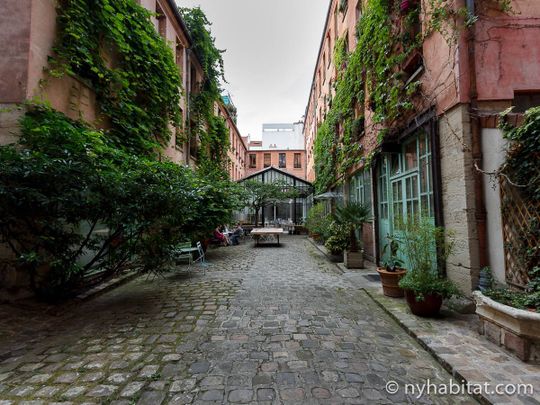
x=263, y=325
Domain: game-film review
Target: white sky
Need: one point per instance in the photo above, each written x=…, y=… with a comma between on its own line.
x=271, y=50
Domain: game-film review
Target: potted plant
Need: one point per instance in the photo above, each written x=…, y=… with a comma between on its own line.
x=426, y=247
x=337, y=242
x=392, y=271
x=353, y=216
x=318, y=222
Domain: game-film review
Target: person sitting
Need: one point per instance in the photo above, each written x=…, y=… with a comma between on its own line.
x=222, y=238
x=238, y=231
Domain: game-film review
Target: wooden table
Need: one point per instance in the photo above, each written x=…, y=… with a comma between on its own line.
x=257, y=233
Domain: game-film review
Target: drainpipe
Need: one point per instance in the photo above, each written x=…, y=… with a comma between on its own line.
x=188, y=104
x=476, y=138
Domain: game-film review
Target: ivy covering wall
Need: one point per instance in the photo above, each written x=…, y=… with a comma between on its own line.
x=113, y=45
x=372, y=69
x=210, y=130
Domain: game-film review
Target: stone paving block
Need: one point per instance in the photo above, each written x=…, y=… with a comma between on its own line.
x=258, y=326
x=240, y=396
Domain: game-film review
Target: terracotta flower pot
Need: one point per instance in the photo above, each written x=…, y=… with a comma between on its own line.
x=429, y=307
x=390, y=281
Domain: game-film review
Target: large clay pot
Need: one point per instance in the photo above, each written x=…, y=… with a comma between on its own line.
x=429, y=307
x=390, y=282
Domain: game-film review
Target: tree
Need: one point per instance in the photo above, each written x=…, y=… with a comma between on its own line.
x=258, y=195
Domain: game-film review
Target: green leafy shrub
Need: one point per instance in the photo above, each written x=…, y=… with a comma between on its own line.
x=318, y=221
x=338, y=239
x=426, y=247
x=352, y=217
x=65, y=180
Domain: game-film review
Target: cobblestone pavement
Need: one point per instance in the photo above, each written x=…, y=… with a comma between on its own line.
x=263, y=325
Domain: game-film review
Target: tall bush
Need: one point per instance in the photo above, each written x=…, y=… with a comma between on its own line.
x=65, y=180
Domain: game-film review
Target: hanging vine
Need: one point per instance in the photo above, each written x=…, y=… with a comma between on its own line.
x=114, y=46
x=374, y=69
x=209, y=130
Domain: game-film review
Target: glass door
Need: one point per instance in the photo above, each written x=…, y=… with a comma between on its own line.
x=404, y=189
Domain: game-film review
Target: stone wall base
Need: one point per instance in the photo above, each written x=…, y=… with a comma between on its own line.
x=525, y=348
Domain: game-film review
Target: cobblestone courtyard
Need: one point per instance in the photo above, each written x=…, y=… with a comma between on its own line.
x=263, y=325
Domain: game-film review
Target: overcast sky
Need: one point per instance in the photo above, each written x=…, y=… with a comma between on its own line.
x=271, y=50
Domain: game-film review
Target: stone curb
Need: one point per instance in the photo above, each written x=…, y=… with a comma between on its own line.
x=425, y=345
x=323, y=252
x=101, y=288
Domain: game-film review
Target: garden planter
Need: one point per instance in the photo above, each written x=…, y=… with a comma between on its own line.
x=354, y=260
x=517, y=330
x=390, y=282
x=430, y=306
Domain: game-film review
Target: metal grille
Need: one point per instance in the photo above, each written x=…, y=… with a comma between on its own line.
x=517, y=216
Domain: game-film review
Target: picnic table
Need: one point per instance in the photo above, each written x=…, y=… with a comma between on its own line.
x=263, y=233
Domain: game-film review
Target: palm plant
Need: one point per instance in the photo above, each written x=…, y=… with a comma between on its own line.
x=353, y=216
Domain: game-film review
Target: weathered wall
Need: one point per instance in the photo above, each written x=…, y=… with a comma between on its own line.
x=507, y=50
x=493, y=155
x=458, y=196
x=14, y=48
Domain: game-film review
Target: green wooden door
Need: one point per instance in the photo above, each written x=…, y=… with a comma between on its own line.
x=404, y=189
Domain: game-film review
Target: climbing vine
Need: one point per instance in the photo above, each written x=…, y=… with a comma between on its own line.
x=114, y=47
x=209, y=130
x=373, y=76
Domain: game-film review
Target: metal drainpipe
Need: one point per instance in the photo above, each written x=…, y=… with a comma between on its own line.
x=188, y=106
x=476, y=138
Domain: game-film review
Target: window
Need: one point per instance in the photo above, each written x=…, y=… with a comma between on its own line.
x=360, y=188
x=162, y=21
x=297, y=160
x=282, y=160
x=525, y=100
x=252, y=160
x=180, y=56
x=267, y=160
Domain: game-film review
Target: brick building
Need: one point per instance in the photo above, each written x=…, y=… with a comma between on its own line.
x=282, y=146
x=427, y=161
x=28, y=34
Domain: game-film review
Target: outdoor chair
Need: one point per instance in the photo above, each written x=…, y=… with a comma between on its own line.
x=201, y=259
x=180, y=256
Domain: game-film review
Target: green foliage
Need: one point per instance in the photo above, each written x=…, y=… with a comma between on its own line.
x=318, y=221
x=114, y=46
x=258, y=195
x=338, y=239
x=521, y=168
x=211, y=131
x=352, y=217
x=516, y=299
x=427, y=248
x=64, y=181
x=521, y=164
x=373, y=67
x=428, y=283
x=393, y=262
